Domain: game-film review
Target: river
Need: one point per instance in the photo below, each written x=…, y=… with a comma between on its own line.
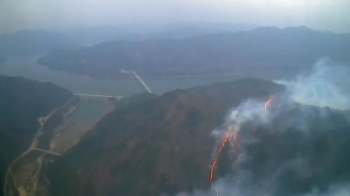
x=27, y=67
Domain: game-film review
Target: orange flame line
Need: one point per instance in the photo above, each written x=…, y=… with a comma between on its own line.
x=212, y=170
x=229, y=137
x=232, y=138
x=267, y=104
x=217, y=156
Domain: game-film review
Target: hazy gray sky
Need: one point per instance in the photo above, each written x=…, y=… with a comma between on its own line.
x=319, y=14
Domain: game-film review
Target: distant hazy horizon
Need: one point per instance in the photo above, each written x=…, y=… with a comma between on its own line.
x=328, y=15
x=146, y=28
x=149, y=29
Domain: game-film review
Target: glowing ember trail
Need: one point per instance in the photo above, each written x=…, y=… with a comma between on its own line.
x=267, y=104
x=213, y=165
x=229, y=137
x=232, y=138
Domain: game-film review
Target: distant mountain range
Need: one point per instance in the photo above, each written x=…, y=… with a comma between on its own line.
x=33, y=42
x=95, y=35
x=22, y=102
x=262, y=50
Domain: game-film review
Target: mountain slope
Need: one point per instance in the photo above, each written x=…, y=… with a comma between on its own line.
x=161, y=144
x=22, y=102
x=164, y=145
x=262, y=50
x=33, y=42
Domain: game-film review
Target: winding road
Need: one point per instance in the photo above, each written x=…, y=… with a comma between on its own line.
x=42, y=121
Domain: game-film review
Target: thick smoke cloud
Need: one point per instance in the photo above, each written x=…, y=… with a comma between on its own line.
x=298, y=147
x=249, y=110
x=338, y=190
x=327, y=85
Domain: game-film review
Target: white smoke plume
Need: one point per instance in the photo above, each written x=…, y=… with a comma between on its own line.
x=229, y=190
x=247, y=111
x=335, y=190
x=327, y=85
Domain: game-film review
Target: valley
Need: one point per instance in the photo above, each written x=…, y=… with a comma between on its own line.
x=24, y=176
x=26, y=106
x=48, y=120
x=58, y=131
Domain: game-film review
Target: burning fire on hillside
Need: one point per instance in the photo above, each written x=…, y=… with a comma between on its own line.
x=231, y=138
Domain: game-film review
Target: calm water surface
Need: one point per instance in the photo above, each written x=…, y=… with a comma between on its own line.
x=27, y=67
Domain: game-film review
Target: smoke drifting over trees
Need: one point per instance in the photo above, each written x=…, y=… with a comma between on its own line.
x=298, y=147
x=327, y=86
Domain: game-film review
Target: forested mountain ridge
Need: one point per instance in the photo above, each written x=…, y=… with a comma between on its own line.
x=262, y=50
